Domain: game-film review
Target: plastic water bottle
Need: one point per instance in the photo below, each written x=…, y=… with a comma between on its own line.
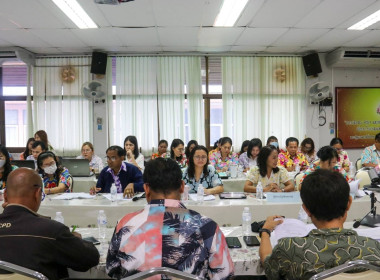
x=113, y=192
x=246, y=222
x=59, y=217
x=200, y=193
x=102, y=224
x=259, y=191
x=302, y=215
x=352, y=170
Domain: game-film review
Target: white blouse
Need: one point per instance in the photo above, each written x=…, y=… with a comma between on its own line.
x=139, y=160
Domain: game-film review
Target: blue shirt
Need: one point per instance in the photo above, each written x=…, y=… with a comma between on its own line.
x=127, y=175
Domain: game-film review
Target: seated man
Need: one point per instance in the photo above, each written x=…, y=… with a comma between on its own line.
x=326, y=199
x=37, y=148
x=371, y=155
x=292, y=157
x=126, y=176
x=34, y=241
x=166, y=234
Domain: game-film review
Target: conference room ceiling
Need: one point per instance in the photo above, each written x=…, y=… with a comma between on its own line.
x=179, y=26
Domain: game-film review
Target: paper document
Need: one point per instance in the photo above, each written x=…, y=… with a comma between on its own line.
x=119, y=196
x=290, y=228
x=209, y=197
x=354, y=187
x=65, y=196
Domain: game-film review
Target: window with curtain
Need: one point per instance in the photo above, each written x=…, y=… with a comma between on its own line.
x=59, y=107
x=263, y=96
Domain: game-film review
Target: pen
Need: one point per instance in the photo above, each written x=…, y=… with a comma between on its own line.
x=74, y=228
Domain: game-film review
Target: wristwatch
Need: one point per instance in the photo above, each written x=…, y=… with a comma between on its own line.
x=264, y=230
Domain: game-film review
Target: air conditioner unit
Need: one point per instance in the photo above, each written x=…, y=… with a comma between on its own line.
x=359, y=58
x=7, y=54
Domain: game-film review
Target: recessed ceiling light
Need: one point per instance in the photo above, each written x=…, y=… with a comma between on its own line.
x=75, y=12
x=230, y=12
x=363, y=24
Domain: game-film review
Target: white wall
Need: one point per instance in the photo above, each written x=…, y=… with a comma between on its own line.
x=337, y=77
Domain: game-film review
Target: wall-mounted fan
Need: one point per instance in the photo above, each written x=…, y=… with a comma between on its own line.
x=318, y=92
x=94, y=90
x=68, y=74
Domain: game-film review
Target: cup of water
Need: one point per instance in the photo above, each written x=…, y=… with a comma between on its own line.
x=185, y=194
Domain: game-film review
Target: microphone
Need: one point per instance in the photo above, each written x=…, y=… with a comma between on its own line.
x=138, y=196
x=357, y=223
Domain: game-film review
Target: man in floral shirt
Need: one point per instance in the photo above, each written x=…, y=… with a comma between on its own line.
x=291, y=158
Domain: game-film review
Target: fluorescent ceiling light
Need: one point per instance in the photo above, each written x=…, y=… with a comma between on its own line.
x=230, y=12
x=371, y=19
x=75, y=12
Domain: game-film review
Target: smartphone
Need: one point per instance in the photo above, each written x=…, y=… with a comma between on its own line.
x=92, y=239
x=251, y=241
x=233, y=242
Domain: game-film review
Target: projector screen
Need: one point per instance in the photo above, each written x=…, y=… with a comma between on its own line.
x=357, y=115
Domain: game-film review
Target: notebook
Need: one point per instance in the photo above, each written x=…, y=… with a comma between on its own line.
x=77, y=167
x=24, y=163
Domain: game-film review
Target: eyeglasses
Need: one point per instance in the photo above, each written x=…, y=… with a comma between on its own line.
x=200, y=157
x=86, y=151
x=110, y=158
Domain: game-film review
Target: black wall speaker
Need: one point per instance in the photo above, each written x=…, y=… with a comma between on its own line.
x=99, y=63
x=312, y=64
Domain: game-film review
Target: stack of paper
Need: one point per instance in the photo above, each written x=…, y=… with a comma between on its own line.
x=65, y=196
x=209, y=197
x=119, y=196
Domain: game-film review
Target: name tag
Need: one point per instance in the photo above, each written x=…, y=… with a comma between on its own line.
x=283, y=197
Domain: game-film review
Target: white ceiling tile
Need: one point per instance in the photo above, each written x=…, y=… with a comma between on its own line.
x=280, y=13
x=178, y=36
x=310, y=49
x=213, y=49
x=300, y=37
x=282, y=49
x=260, y=36
x=169, y=13
x=130, y=14
x=336, y=38
x=7, y=24
x=137, y=36
x=219, y=36
x=210, y=11
x=251, y=9
x=361, y=14
x=372, y=38
x=248, y=48
x=95, y=13
x=144, y=49
x=22, y=38
x=179, y=49
x=78, y=50
x=332, y=13
x=103, y=37
x=58, y=37
x=45, y=50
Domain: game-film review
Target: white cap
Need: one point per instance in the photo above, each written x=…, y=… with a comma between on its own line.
x=246, y=208
x=58, y=213
x=101, y=211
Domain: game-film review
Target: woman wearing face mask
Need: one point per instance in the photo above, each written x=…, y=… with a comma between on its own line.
x=56, y=178
x=249, y=158
x=5, y=166
x=272, y=140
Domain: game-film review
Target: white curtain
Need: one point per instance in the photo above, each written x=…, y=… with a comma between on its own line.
x=59, y=108
x=263, y=96
x=175, y=77
x=134, y=110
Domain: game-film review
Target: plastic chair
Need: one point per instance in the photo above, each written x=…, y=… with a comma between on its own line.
x=19, y=272
x=358, y=164
x=364, y=178
x=338, y=273
x=163, y=270
x=297, y=179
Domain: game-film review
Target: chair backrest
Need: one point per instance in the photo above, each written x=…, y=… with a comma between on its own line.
x=337, y=273
x=358, y=164
x=298, y=178
x=19, y=270
x=163, y=270
x=364, y=178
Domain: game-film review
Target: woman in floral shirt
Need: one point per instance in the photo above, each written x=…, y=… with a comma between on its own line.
x=308, y=149
x=343, y=160
x=177, y=153
x=221, y=160
x=162, y=147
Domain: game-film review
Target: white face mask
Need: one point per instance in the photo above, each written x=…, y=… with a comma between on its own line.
x=50, y=169
x=2, y=162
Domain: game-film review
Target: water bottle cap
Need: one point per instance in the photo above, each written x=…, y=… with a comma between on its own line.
x=58, y=213
x=246, y=208
x=101, y=211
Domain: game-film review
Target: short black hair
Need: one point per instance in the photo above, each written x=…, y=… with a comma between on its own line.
x=327, y=153
x=325, y=194
x=41, y=144
x=163, y=175
x=163, y=141
x=133, y=140
x=120, y=151
x=377, y=137
x=291, y=139
x=262, y=160
x=335, y=141
x=255, y=142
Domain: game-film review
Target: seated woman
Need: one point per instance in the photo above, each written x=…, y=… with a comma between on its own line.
x=42, y=136
x=328, y=158
x=244, y=147
x=308, y=150
x=56, y=178
x=133, y=156
x=190, y=146
x=5, y=166
x=28, y=149
x=95, y=162
x=200, y=172
x=162, y=148
x=176, y=153
x=249, y=158
x=343, y=160
x=221, y=160
x=272, y=177
x=272, y=140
